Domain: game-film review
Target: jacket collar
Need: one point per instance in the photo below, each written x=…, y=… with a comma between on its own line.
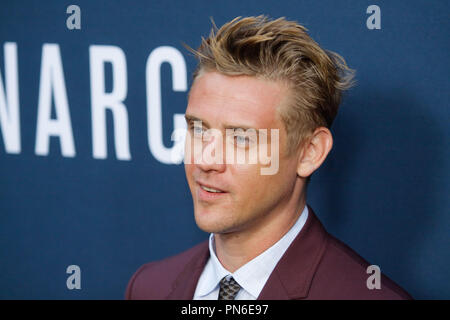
x=184, y=286
x=291, y=278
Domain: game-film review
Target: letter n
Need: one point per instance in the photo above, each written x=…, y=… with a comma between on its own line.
x=9, y=100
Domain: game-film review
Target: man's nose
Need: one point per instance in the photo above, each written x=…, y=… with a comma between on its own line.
x=211, y=155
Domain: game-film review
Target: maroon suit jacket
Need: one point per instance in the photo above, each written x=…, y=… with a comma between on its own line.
x=315, y=266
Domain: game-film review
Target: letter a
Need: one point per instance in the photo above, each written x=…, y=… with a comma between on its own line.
x=373, y=21
x=52, y=81
x=373, y=282
x=74, y=280
x=73, y=21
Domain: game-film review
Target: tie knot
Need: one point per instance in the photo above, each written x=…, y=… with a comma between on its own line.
x=228, y=289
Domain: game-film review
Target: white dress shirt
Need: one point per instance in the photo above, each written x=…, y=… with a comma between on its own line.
x=253, y=275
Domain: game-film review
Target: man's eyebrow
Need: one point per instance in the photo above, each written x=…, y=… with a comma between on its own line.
x=189, y=118
x=237, y=127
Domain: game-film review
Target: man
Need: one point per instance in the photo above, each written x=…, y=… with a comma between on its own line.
x=270, y=77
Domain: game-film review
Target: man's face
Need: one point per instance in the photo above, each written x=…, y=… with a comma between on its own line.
x=248, y=198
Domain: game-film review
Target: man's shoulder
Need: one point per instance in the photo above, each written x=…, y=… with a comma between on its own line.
x=154, y=280
x=342, y=274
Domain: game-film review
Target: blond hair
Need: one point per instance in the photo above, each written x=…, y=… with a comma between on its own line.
x=280, y=50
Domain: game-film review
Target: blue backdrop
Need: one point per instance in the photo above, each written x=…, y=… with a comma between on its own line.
x=69, y=196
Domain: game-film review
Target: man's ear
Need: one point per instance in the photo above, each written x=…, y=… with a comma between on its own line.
x=314, y=151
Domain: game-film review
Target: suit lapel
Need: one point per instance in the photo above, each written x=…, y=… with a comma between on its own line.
x=186, y=283
x=292, y=276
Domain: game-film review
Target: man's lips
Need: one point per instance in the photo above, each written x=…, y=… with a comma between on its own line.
x=210, y=186
x=205, y=195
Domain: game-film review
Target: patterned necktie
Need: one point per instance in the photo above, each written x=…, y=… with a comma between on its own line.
x=228, y=289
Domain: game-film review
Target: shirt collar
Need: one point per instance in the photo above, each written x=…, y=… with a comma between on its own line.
x=213, y=272
x=254, y=274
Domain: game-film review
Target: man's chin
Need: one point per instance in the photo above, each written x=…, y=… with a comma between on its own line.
x=213, y=224
x=209, y=227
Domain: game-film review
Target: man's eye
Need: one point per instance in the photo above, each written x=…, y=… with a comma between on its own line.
x=242, y=141
x=197, y=130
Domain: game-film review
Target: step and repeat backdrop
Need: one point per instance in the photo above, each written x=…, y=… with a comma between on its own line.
x=91, y=180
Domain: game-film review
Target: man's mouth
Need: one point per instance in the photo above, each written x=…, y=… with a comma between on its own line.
x=209, y=192
x=210, y=189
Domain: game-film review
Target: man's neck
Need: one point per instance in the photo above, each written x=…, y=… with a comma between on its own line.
x=235, y=249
